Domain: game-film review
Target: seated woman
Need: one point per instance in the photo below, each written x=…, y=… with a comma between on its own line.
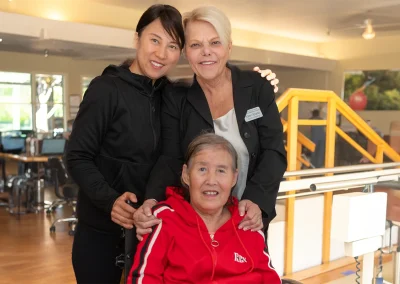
x=198, y=240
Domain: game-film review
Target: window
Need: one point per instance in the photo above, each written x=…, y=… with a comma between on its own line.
x=31, y=105
x=49, y=102
x=85, y=83
x=15, y=101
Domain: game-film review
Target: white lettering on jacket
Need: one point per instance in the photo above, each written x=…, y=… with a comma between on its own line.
x=239, y=258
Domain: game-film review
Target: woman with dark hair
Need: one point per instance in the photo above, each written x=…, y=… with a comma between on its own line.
x=198, y=240
x=115, y=144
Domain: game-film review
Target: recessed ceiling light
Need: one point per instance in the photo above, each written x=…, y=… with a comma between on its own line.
x=1, y=39
x=55, y=16
x=369, y=32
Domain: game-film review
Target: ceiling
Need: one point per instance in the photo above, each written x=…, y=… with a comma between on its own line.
x=308, y=20
x=35, y=45
x=301, y=19
x=77, y=50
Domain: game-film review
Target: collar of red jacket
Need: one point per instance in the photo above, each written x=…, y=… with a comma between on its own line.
x=175, y=197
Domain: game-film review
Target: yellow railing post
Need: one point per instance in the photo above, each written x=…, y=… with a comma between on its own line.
x=329, y=163
x=379, y=154
x=299, y=162
x=292, y=144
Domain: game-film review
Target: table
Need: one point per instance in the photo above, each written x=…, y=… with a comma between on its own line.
x=24, y=158
x=19, y=158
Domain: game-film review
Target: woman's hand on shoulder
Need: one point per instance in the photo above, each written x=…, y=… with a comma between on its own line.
x=253, y=218
x=269, y=75
x=144, y=219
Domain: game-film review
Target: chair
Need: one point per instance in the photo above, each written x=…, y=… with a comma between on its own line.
x=65, y=190
x=3, y=183
x=19, y=195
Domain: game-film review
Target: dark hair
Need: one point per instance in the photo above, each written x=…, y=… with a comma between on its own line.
x=315, y=112
x=127, y=62
x=171, y=20
x=206, y=141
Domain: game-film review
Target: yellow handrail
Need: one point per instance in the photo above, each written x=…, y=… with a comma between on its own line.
x=291, y=99
x=365, y=129
x=283, y=100
x=301, y=160
x=302, y=139
x=343, y=108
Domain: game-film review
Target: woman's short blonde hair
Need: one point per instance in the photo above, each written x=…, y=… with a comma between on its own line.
x=215, y=17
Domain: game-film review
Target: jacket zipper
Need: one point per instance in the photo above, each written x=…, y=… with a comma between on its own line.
x=214, y=255
x=152, y=110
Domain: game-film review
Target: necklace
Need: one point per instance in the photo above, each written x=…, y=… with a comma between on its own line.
x=214, y=243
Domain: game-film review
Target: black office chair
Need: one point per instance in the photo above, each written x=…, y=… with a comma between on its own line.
x=65, y=190
x=19, y=195
x=3, y=180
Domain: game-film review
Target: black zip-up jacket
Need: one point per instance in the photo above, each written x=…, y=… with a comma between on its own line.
x=114, y=143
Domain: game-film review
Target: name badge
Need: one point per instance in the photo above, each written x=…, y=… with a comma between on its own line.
x=252, y=114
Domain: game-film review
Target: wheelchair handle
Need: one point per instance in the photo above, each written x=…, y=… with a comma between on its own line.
x=134, y=205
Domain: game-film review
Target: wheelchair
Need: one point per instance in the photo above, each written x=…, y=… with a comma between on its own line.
x=125, y=261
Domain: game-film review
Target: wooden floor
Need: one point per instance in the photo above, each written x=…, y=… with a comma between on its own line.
x=30, y=254
x=345, y=274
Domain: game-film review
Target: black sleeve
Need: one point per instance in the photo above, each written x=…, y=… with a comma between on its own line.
x=167, y=170
x=90, y=127
x=263, y=185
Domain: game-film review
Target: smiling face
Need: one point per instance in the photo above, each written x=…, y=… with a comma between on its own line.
x=204, y=50
x=210, y=177
x=157, y=52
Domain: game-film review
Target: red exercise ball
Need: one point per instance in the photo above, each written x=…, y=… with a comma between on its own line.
x=358, y=101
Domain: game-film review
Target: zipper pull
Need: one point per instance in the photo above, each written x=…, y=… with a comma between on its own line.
x=214, y=243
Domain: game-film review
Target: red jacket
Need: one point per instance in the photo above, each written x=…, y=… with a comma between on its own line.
x=179, y=250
